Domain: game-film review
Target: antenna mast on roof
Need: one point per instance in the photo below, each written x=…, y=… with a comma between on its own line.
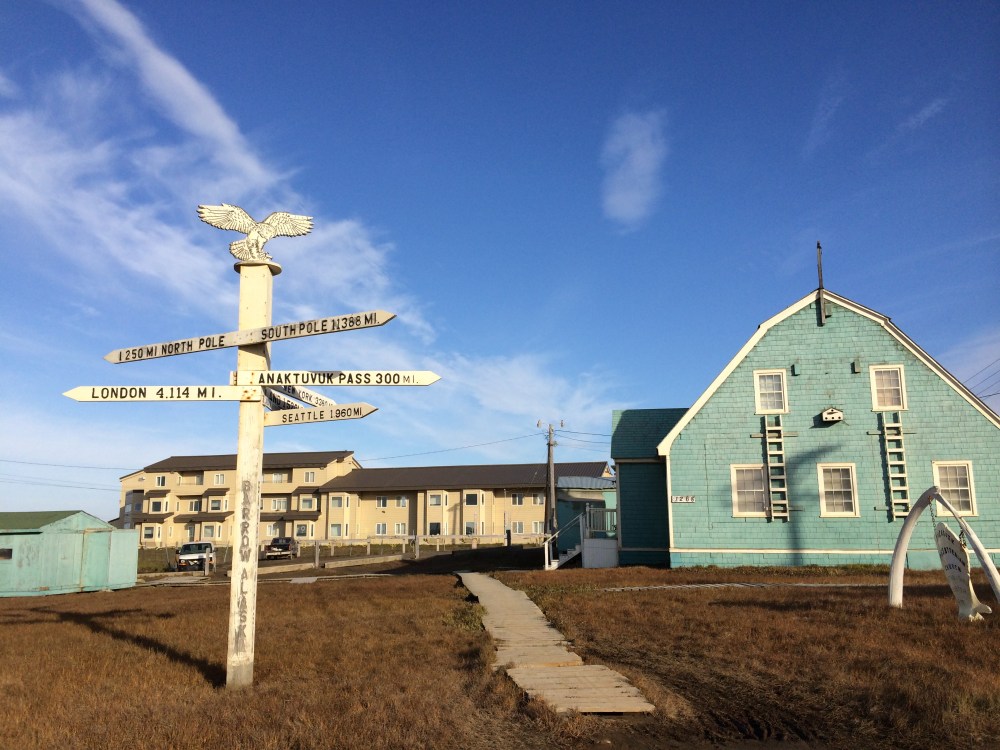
x=820, y=300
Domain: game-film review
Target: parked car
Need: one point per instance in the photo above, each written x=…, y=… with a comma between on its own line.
x=281, y=547
x=193, y=555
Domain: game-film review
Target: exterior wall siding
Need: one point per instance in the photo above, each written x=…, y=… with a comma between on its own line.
x=643, y=516
x=831, y=369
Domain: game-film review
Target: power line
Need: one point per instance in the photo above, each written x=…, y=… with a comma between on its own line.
x=56, y=484
x=448, y=450
x=573, y=432
x=973, y=376
x=595, y=442
x=62, y=466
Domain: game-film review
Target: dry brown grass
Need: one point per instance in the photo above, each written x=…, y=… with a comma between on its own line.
x=833, y=667
x=402, y=662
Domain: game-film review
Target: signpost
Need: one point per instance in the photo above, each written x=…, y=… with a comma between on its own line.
x=334, y=377
x=164, y=393
x=256, y=335
x=255, y=386
x=319, y=414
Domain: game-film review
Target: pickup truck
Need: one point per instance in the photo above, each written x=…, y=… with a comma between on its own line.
x=281, y=546
x=192, y=555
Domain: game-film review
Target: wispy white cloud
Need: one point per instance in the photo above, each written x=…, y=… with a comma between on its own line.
x=633, y=156
x=8, y=89
x=910, y=125
x=974, y=362
x=831, y=98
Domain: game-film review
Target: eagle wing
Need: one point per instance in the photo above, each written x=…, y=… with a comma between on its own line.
x=227, y=217
x=282, y=224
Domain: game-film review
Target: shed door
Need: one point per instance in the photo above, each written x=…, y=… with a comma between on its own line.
x=96, y=557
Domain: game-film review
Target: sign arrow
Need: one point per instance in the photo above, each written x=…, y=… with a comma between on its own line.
x=164, y=393
x=333, y=377
x=303, y=394
x=266, y=334
x=318, y=414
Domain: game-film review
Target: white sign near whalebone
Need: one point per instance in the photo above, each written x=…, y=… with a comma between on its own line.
x=303, y=394
x=262, y=335
x=164, y=393
x=319, y=414
x=333, y=377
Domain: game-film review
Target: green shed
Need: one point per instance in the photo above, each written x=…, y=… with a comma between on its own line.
x=64, y=551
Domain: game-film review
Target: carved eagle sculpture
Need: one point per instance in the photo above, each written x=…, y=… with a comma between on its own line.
x=278, y=224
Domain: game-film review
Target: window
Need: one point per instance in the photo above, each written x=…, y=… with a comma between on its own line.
x=7, y=553
x=470, y=528
x=401, y=501
x=128, y=507
x=769, y=391
x=208, y=531
x=161, y=481
x=300, y=530
x=219, y=479
x=537, y=527
x=194, y=506
x=381, y=501
x=537, y=499
x=749, y=490
x=434, y=500
x=380, y=529
x=282, y=475
x=836, y=490
x=147, y=532
x=337, y=502
x=888, y=387
x=310, y=476
x=215, y=503
x=155, y=505
x=517, y=527
x=335, y=529
x=274, y=529
x=954, y=480
x=472, y=498
x=279, y=503
x=306, y=502
x=400, y=529
x=434, y=528
x=517, y=499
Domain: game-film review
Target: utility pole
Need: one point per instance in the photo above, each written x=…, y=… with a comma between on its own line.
x=551, y=519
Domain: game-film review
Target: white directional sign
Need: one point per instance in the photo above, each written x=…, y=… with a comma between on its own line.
x=164, y=393
x=264, y=335
x=303, y=394
x=333, y=377
x=278, y=401
x=318, y=414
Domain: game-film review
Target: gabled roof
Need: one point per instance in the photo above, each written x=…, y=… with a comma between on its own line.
x=883, y=320
x=585, y=483
x=228, y=461
x=506, y=476
x=635, y=433
x=35, y=520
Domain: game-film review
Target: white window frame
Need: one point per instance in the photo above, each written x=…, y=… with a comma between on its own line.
x=194, y=506
x=273, y=530
x=430, y=499
x=872, y=375
x=335, y=530
x=155, y=506
x=855, y=512
x=734, y=469
x=208, y=531
x=537, y=499
x=474, y=496
x=219, y=479
x=310, y=477
x=936, y=466
x=380, y=529
x=336, y=501
x=757, y=375
x=517, y=527
x=467, y=531
x=301, y=531
x=381, y=501
x=400, y=528
x=517, y=498
x=307, y=502
x=430, y=528
x=279, y=504
x=538, y=527
x=161, y=481
x=215, y=503
x=401, y=501
x=147, y=532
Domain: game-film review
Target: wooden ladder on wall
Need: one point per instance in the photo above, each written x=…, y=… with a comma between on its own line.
x=777, y=476
x=895, y=463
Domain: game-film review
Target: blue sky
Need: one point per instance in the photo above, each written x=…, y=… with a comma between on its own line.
x=572, y=207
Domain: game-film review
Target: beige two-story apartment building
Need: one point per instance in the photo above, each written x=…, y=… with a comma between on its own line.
x=328, y=496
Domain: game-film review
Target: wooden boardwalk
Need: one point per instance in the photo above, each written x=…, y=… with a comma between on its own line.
x=536, y=656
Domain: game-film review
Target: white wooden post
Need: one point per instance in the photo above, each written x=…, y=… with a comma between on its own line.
x=256, y=285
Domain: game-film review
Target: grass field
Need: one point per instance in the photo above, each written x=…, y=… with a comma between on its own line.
x=401, y=661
